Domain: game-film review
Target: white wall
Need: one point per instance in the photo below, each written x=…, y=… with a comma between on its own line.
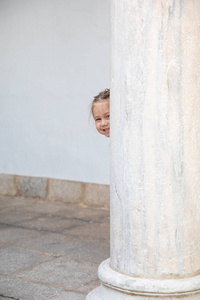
x=54, y=57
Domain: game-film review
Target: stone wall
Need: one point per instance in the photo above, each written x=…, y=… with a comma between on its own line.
x=55, y=190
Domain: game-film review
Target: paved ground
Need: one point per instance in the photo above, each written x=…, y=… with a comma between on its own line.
x=50, y=250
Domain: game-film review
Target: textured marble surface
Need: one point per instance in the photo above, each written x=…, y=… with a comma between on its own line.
x=155, y=157
x=155, y=141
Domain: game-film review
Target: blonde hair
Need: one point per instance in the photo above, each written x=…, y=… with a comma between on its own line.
x=102, y=96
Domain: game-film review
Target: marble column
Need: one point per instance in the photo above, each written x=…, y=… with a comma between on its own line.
x=155, y=152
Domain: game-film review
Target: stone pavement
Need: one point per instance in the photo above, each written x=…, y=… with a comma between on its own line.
x=50, y=250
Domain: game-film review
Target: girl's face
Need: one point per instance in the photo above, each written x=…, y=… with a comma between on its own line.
x=101, y=114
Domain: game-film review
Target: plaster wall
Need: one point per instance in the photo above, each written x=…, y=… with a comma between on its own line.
x=54, y=57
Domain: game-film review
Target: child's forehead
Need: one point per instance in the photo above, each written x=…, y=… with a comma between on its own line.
x=101, y=106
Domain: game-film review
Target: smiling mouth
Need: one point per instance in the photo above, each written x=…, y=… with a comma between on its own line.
x=106, y=129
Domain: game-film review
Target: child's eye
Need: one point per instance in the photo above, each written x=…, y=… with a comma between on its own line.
x=96, y=120
x=108, y=116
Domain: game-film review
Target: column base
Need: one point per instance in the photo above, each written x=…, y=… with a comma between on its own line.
x=117, y=286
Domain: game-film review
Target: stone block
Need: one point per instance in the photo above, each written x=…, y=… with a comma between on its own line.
x=84, y=213
x=32, y=186
x=69, y=296
x=51, y=224
x=64, y=272
x=15, y=259
x=55, y=190
x=18, y=288
x=7, y=185
x=58, y=244
x=54, y=243
x=96, y=231
x=64, y=190
x=8, y=218
x=10, y=235
x=90, y=286
x=96, y=195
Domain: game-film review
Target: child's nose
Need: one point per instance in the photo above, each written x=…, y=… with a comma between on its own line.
x=104, y=122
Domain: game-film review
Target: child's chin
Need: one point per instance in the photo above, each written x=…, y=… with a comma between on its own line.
x=107, y=134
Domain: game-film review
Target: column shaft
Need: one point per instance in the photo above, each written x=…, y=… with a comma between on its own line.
x=155, y=138
x=155, y=152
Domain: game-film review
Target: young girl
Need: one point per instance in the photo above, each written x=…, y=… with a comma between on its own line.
x=100, y=110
